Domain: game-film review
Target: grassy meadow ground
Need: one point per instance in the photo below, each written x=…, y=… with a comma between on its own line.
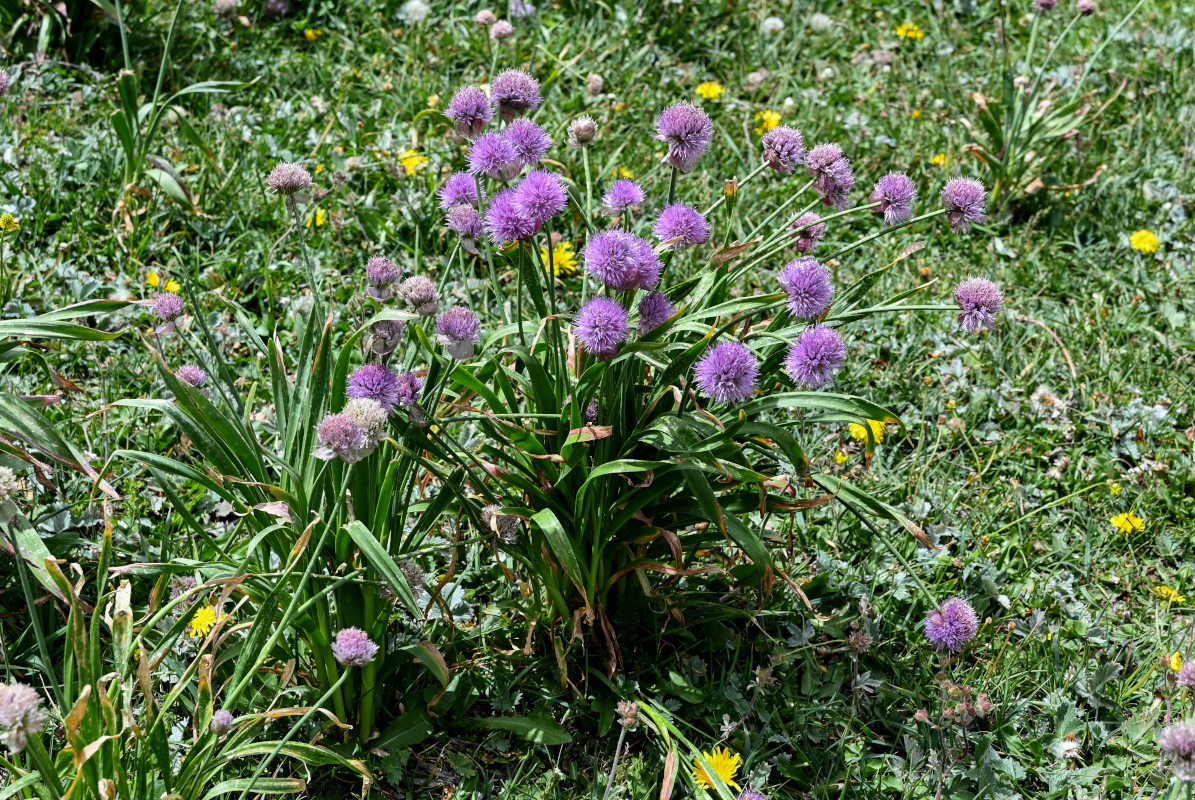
x=1020, y=446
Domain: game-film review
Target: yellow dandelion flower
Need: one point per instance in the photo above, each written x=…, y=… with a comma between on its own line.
x=319, y=168
x=169, y=284
x=564, y=260
x=312, y=34
x=204, y=620
x=8, y=223
x=1176, y=661
x=840, y=456
x=725, y=764
x=909, y=30
x=710, y=90
x=1127, y=523
x=411, y=161
x=317, y=218
x=915, y=113
x=767, y=120
x=1145, y=241
x=941, y=160
x=859, y=433
x=622, y=172
x=1172, y=595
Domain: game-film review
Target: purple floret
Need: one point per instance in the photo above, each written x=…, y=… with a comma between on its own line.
x=461, y=187
x=980, y=301
x=601, y=325
x=815, y=357
x=168, y=307
x=951, y=625
x=783, y=148
x=679, y=220
x=469, y=110
x=1178, y=742
x=339, y=436
x=506, y=223
x=727, y=373
x=288, y=179
x=514, y=93
x=688, y=131
x=408, y=388
x=191, y=374
x=459, y=331
x=624, y=194
x=375, y=381
x=495, y=157
x=353, y=648
x=540, y=196
x=807, y=284
x=654, y=310
x=810, y=232
x=896, y=194
x=966, y=201
x=528, y=140
x=831, y=173
x=621, y=261
x=465, y=220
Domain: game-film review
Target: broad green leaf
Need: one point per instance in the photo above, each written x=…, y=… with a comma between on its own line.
x=535, y=728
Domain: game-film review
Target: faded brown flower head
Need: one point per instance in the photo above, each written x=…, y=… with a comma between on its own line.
x=594, y=85
x=628, y=714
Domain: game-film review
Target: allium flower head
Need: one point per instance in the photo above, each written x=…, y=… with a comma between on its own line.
x=896, y=194
x=485, y=18
x=168, y=307
x=288, y=179
x=540, y=196
x=581, y=132
x=1045, y=6
x=747, y=794
x=807, y=284
x=528, y=139
x=461, y=187
x=688, y=131
x=459, y=331
x=339, y=436
x=783, y=148
x=375, y=381
x=1186, y=675
x=980, y=301
x=277, y=8
x=601, y=325
x=514, y=93
x=353, y=647
x=469, y=109
x=831, y=173
x=370, y=416
x=191, y=374
x=21, y=714
x=815, y=357
x=951, y=625
x=494, y=156
x=1085, y=7
x=654, y=310
x=727, y=373
x=224, y=8
x=501, y=30
x=466, y=223
x=679, y=220
x=621, y=261
x=507, y=527
x=386, y=334
x=624, y=194
x=966, y=201
x=520, y=9
x=1178, y=742
x=421, y=295
x=381, y=274
x=506, y=222
x=810, y=232
x=410, y=389
x=221, y=722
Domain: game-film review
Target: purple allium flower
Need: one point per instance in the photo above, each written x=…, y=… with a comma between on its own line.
x=221, y=722
x=528, y=140
x=514, y=93
x=654, y=310
x=459, y=331
x=966, y=201
x=810, y=232
x=485, y=18
x=421, y=295
x=288, y=179
x=540, y=196
x=409, y=389
x=168, y=307
x=353, y=647
x=520, y=9
x=180, y=584
x=807, y=284
x=339, y=436
x=469, y=109
x=783, y=148
x=375, y=381
x=688, y=131
x=951, y=625
x=506, y=526
x=747, y=794
x=385, y=335
x=679, y=220
x=1178, y=742
x=980, y=301
x=727, y=373
x=624, y=194
x=191, y=374
x=601, y=325
x=594, y=84
x=381, y=274
x=461, y=187
x=494, y=156
x=831, y=173
x=21, y=714
x=1186, y=675
x=581, y=132
x=465, y=221
x=506, y=222
x=1045, y=6
x=277, y=8
x=1085, y=7
x=621, y=261
x=501, y=30
x=371, y=417
x=896, y=194
x=815, y=356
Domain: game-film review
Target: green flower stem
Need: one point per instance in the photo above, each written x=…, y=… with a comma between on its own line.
x=742, y=183
x=672, y=186
x=768, y=219
x=787, y=237
x=45, y=765
x=588, y=209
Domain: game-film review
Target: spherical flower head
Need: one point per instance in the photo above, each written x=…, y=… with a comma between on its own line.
x=461, y=187
x=1186, y=675
x=815, y=357
x=1045, y=6
x=621, y=261
x=807, y=284
x=353, y=648
x=192, y=375
x=421, y=295
x=221, y=722
x=381, y=273
x=507, y=527
x=688, y=131
x=485, y=18
x=168, y=307
x=514, y=93
x=371, y=418
x=494, y=156
x=288, y=179
x=980, y=301
x=528, y=139
x=459, y=331
x=783, y=148
x=601, y=325
x=624, y=194
x=415, y=11
x=1178, y=742
x=727, y=373
x=21, y=714
x=520, y=9
x=339, y=436
x=896, y=194
x=654, y=310
x=966, y=201
x=385, y=335
x=1085, y=7
x=810, y=232
x=679, y=220
x=277, y=8
x=747, y=794
x=831, y=173
x=540, y=196
x=375, y=381
x=501, y=30
x=465, y=222
x=224, y=8
x=409, y=389
x=951, y=625
x=581, y=132
x=469, y=109
x=506, y=222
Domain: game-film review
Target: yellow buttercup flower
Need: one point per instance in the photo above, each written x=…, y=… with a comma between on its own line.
x=317, y=218
x=840, y=456
x=564, y=260
x=941, y=160
x=767, y=120
x=859, y=433
x=433, y=101
x=319, y=168
x=412, y=162
x=204, y=620
x=710, y=90
x=725, y=764
x=169, y=284
x=1114, y=487
x=1145, y=241
x=910, y=31
x=915, y=113
x=1176, y=661
x=622, y=172
x=1166, y=593
x=312, y=34
x=1127, y=523
x=8, y=223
